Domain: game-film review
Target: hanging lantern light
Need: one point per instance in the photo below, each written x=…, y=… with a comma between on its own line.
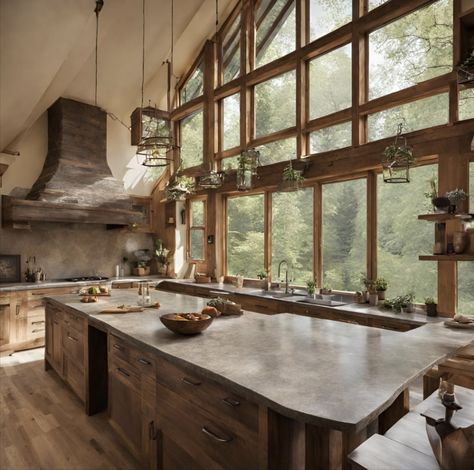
x=249, y=161
x=397, y=159
x=151, y=129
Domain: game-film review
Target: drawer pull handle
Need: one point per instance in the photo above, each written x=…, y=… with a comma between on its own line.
x=117, y=346
x=190, y=382
x=144, y=362
x=37, y=331
x=39, y=322
x=215, y=436
x=123, y=372
x=231, y=402
x=152, y=431
x=72, y=338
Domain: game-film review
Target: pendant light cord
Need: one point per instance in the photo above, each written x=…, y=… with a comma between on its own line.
x=172, y=37
x=98, y=7
x=143, y=50
x=217, y=17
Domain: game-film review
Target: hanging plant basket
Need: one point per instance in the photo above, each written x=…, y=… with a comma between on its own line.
x=397, y=159
x=211, y=179
x=244, y=179
x=178, y=189
x=292, y=179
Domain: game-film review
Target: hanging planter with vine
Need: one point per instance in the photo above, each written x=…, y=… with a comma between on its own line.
x=291, y=179
x=397, y=159
x=248, y=162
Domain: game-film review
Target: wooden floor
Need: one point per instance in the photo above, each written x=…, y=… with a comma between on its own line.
x=43, y=425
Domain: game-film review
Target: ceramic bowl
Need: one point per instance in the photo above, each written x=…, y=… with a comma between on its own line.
x=186, y=327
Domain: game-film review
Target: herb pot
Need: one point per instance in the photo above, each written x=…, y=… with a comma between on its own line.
x=431, y=310
x=410, y=308
x=381, y=294
x=373, y=299
x=441, y=203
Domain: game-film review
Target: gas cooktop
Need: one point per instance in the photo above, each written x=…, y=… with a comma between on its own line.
x=85, y=278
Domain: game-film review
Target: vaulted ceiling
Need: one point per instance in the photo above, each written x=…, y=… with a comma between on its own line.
x=47, y=51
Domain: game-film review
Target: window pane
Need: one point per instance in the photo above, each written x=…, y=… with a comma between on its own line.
x=275, y=104
x=471, y=188
x=330, y=86
x=231, y=113
x=344, y=231
x=292, y=234
x=328, y=15
x=278, y=151
x=231, y=52
x=197, y=244
x=245, y=239
x=376, y=3
x=197, y=213
x=276, y=30
x=427, y=112
x=331, y=138
x=466, y=104
x=194, y=86
x=402, y=237
x=192, y=140
x=414, y=48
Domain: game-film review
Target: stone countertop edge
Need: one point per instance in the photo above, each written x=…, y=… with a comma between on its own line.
x=255, y=396
x=17, y=287
x=362, y=310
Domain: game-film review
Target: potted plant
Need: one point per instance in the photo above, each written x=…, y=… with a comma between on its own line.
x=262, y=277
x=311, y=287
x=142, y=265
x=248, y=162
x=291, y=178
x=381, y=286
x=440, y=204
x=365, y=281
x=325, y=293
x=373, y=296
x=396, y=160
x=431, y=307
x=455, y=197
x=409, y=298
x=162, y=257
x=180, y=188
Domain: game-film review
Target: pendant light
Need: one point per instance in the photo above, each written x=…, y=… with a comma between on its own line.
x=151, y=127
x=212, y=179
x=397, y=159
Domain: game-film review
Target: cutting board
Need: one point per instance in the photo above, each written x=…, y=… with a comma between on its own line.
x=126, y=309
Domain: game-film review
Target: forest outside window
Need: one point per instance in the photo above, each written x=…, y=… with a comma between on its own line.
x=292, y=234
x=231, y=121
x=197, y=229
x=330, y=85
x=275, y=30
x=420, y=114
x=194, y=86
x=327, y=15
x=402, y=237
x=245, y=235
x=466, y=104
x=331, y=138
x=275, y=104
x=344, y=234
x=231, y=51
x=192, y=135
x=414, y=48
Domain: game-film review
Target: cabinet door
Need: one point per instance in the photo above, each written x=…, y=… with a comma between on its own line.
x=56, y=339
x=125, y=406
x=4, y=325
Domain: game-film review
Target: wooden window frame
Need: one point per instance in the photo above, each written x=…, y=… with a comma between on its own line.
x=190, y=228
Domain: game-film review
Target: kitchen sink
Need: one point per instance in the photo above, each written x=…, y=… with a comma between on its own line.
x=276, y=294
x=326, y=303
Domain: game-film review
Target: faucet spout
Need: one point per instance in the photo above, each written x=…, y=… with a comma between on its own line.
x=286, y=274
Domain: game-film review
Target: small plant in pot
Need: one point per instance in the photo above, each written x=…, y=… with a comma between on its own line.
x=381, y=285
x=262, y=277
x=455, y=197
x=431, y=307
x=162, y=257
x=366, y=282
x=291, y=178
x=311, y=287
x=326, y=293
x=409, y=298
x=440, y=204
x=397, y=159
x=373, y=296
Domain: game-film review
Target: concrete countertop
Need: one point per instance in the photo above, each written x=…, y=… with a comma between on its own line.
x=16, y=287
x=328, y=373
x=419, y=317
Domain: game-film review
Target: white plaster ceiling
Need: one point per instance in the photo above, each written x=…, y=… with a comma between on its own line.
x=47, y=51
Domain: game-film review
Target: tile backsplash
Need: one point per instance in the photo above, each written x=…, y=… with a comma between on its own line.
x=65, y=250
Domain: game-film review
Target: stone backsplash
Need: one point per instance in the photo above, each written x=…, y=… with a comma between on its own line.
x=65, y=250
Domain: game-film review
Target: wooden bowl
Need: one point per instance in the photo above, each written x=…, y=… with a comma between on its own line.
x=186, y=327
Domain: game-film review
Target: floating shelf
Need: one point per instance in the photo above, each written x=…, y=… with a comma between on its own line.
x=442, y=216
x=453, y=257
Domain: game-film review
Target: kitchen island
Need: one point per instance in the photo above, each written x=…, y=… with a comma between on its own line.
x=254, y=391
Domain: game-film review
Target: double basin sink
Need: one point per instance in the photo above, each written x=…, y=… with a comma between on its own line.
x=302, y=297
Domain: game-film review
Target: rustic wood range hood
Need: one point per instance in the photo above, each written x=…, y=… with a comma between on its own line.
x=76, y=184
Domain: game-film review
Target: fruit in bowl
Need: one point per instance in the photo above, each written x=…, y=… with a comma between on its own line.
x=186, y=323
x=87, y=299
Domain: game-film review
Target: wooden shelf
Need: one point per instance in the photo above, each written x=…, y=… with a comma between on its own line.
x=453, y=257
x=442, y=216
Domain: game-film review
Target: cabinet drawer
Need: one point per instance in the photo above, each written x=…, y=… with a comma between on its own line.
x=210, y=441
x=75, y=377
x=125, y=373
x=52, y=291
x=144, y=363
x=36, y=326
x=74, y=322
x=119, y=348
x=208, y=394
x=73, y=344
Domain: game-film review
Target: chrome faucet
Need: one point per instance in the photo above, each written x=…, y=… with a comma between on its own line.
x=286, y=274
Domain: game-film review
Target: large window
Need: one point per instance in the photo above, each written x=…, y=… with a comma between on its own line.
x=402, y=237
x=330, y=82
x=466, y=104
x=231, y=129
x=421, y=114
x=194, y=86
x=327, y=15
x=292, y=234
x=276, y=30
x=344, y=233
x=192, y=140
x=331, y=138
x=231, y=51
x=275, y=104
x=414, y=48
x=197, y=229
x=245, y=235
